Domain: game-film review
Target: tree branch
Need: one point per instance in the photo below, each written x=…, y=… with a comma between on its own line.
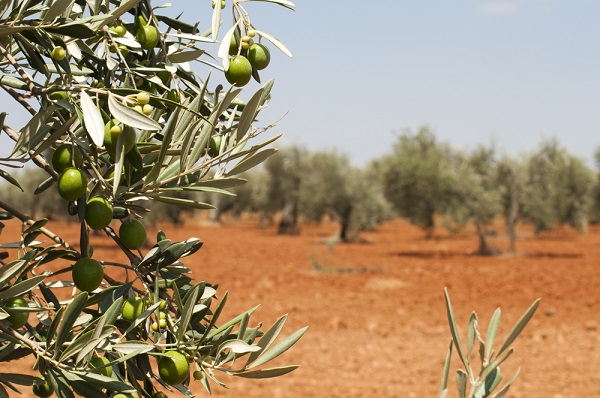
x=17, y=67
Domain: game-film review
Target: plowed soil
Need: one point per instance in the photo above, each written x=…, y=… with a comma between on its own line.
x=375, y=309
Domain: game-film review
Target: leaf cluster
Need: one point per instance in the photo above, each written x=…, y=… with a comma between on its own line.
x=486, y=383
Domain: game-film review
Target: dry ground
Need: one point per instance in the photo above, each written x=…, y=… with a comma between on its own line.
x=377, y=318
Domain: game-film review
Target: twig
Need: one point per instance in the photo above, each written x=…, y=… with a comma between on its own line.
x=29, y=221
x=17, y=67
x=19, y=98
x=38, y=159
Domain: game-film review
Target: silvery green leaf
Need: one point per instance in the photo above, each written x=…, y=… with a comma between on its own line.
x=120, y=156
x=461, y=383
x=221, y=183
x=92, y=119
x=185, y=56
x=128, y=41
x=251, y=161
x=132, y=346
x=223, y=51
x=11, y=269
x=74, y=50
x=275, y=42
x=4, y=174
x=130, y=116
x=279, y=348
x=249, y=114
x=471, y=334
x=504, y=389
x=191, y=37
x=187, y=203
x=238, y=347
x=22, y=287
x=75, y=70
x=492, y=381
x=186, y=312
x=28, y=132
x=216, y=21
x=446, y=372
x=14, y=82
x=56, y=9
x=267, y=339
x=70, y=317
x=491, y=332
x=453, y=328
x=209, y=292
x=267, y=373
x=520, y=325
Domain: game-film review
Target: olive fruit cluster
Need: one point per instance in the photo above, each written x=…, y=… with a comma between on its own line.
x=72, y=182
x=246, y=57
x=143, y=103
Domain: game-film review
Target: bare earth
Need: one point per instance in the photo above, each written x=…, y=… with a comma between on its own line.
x=377, y=317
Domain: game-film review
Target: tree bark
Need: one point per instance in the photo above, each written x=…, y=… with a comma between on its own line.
x=513, y=212
x=288, y=225
x=484, y=247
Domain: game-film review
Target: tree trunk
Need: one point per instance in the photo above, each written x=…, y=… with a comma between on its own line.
x=214, y=215
x=345, y=224
x=484, y=247
x=288, y=225
x=513, y=213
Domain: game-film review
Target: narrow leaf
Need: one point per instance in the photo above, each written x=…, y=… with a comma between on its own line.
x=71, y=314
x=22, y=287
x=447, y=368
x=186, y=312
x=249, y=114
x=92, y=119
x=520, y=325
x=279, y=348
x=471, y=334
x=130, y=116
x=461, y=383
x=453, y=328
x=491, y=332
x=268, y=338
x=267, y=373
x=275, y=42
x=504, y=389
x=57, y=7
x=251, y=161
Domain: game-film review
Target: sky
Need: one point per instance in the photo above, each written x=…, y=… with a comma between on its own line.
x=502, y=73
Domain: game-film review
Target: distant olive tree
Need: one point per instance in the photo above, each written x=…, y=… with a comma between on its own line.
x=47, y=203
x=350, y=195
x=416, y=177
x=510, y=182
x=474, y=194
x=595, y=206
x=557, y=189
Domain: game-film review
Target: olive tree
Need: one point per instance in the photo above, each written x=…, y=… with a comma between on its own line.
x=595, y=206
x=557, y=189
x=510, y=182
x=112, y=93
x=474, y=194
x=416, y=177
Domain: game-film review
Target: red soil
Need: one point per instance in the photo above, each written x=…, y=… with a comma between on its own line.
x=377, y=317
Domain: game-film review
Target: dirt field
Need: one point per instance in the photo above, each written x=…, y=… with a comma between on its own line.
x=377, y=318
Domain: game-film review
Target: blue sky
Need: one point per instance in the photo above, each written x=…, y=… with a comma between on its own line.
x=477, y=72
x=505, y=72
